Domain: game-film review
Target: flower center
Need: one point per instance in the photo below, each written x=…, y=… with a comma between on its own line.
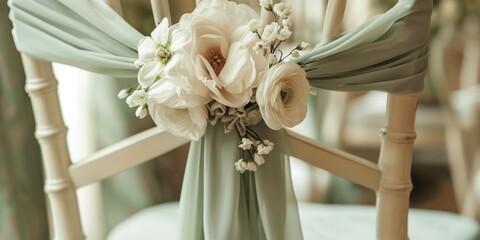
x=163, y=54
x=284, y=95
x=215, y=58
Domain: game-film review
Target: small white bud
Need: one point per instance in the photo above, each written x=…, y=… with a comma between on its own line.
x=130, y=101
x=137, y=98
x=270, y=32
x=254, y=25
x=269, y=143
x=283, y=10
x=302, y=46
x=287, y=22
x=240, y=165
x=272, y=59
x=259, y=159
x=123, y=94
x=251, y=166
x=295, y=54
x=246, y=144
x=284, y=34
x=141, y=112
x=266, y=4
x=259, y=47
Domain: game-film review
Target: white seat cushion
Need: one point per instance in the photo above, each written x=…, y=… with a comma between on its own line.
x=319, y=221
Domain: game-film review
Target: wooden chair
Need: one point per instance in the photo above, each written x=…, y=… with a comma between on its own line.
x=457, y=80
x=390, y=179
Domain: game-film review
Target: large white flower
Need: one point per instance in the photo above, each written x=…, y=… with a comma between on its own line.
x=156, y=53
x=221, y=50
x=282, y=95
x=170, y=112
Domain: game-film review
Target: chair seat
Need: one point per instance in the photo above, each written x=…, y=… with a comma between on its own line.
x=366, y=115
x=319, y=221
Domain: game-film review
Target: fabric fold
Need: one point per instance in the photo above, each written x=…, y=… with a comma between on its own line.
x=387, y=53
x=84, y=34
x=259, y=205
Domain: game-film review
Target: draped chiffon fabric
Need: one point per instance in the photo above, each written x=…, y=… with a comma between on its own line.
x=387, y=53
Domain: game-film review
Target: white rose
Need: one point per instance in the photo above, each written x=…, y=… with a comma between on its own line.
x=282, y=95
x=222, y=51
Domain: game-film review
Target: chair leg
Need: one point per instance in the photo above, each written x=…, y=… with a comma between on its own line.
x=41, y=85
x=395, y=163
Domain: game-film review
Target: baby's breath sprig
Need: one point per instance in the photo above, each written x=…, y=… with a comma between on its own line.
x=136, y=97
x=272, y=35
x=252, y=150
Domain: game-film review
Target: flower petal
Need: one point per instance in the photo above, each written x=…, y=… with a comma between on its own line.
x=148, y=73
x=146, y=49
x=161, y=33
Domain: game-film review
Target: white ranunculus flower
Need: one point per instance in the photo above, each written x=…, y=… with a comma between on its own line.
x=221, y=50
x=282, y=95
x=169, y=110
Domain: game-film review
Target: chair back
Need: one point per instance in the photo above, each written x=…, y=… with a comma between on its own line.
x=390, y=178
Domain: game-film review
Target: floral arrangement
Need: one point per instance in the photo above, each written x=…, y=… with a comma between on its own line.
x=222, y=64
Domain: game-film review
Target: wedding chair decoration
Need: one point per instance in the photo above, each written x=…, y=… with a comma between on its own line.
x=220, y=78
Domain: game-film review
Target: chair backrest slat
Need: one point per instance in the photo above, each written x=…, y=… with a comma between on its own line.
x=333, y=19
x=342, y=164
x=160, y=9
x=122, y=155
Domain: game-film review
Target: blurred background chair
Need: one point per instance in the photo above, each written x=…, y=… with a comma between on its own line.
x=455, y=77
x=447, y=119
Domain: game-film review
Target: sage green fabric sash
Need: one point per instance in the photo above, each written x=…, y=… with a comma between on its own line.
x=87, y=34
x=220, y=203
x=387, y=53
